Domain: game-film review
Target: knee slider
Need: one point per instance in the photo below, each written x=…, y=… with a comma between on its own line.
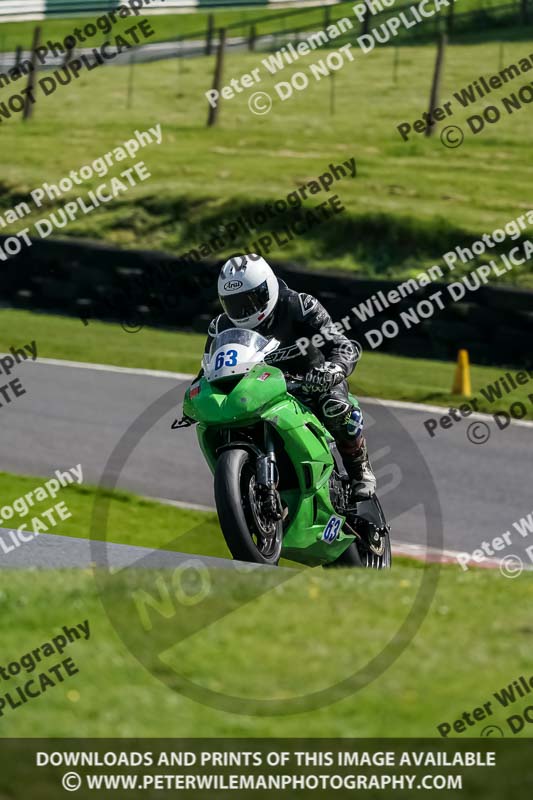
x=354, y=425
x=334, y=409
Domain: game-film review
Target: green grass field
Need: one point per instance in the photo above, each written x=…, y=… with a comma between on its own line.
x=132, y=520
x=377, y=374
x=274, y=647
x=410, y=203
x=253, y=651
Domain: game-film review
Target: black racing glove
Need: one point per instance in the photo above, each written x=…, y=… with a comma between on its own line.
x=323, y=378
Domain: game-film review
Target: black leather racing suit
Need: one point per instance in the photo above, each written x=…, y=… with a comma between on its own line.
x=296, y=320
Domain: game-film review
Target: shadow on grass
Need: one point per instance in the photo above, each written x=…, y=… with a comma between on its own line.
x=381, y=245
x=379, y=242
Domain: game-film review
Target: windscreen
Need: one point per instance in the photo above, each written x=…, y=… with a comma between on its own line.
x=238, y=336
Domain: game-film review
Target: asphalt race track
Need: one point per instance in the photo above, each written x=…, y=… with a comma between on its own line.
x=72, y=415
x=60, y=552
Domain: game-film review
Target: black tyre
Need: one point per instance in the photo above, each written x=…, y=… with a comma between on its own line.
x=350, y=558
x=249, y=536
x=358, y=555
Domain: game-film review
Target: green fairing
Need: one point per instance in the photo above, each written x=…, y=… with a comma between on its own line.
x=306, y=442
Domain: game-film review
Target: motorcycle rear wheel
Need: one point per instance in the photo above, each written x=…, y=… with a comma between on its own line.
x=357, y=555
x=360, y=553
x=249, y=536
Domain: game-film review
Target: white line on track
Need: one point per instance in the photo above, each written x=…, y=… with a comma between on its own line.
x=432, y=554
x=419, y=552
x=154, y=373
x=181, y=376
x=435, y=409
x=182, y=504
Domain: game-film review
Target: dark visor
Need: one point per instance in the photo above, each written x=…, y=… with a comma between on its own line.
x=244, y=304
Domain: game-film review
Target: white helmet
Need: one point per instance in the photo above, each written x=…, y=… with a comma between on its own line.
x=248, y=290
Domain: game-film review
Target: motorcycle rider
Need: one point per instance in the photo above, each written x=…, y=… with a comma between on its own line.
x=254, y=298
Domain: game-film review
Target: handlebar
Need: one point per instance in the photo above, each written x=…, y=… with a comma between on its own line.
x=293, y=383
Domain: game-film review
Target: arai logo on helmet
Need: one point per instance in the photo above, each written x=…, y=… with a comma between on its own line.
x=231, y=286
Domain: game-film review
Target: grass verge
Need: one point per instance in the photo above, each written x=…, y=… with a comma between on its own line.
x=301, y=636
x=132, y=520
x=249, y=637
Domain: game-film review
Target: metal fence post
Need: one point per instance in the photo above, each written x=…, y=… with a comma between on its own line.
x=129, y=101
x=212, y=117
x=366, y=22
x=332, y=94
x=449, y=19
x=28, y=105
x=434, y=97
x=209, y=34
x=251, y=38
x=179, y=56
x=395, y=64
x=69, y=52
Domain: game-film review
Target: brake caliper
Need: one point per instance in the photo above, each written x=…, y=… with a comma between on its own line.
x=267, y=480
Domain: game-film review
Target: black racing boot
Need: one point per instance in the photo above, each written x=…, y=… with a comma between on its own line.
x=358, y=467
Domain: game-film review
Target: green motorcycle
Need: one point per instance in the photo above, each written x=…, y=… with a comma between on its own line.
x=280, y=487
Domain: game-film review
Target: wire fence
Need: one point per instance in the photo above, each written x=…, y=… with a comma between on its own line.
x=279, y=24
x=274, y=29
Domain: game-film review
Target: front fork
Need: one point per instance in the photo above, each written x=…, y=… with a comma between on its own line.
x=267, y=479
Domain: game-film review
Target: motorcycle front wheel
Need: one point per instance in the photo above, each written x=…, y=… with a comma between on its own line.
x=249, y=534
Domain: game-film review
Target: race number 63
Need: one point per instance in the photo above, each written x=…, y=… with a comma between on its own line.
x=226, y=359
x=331, y=531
